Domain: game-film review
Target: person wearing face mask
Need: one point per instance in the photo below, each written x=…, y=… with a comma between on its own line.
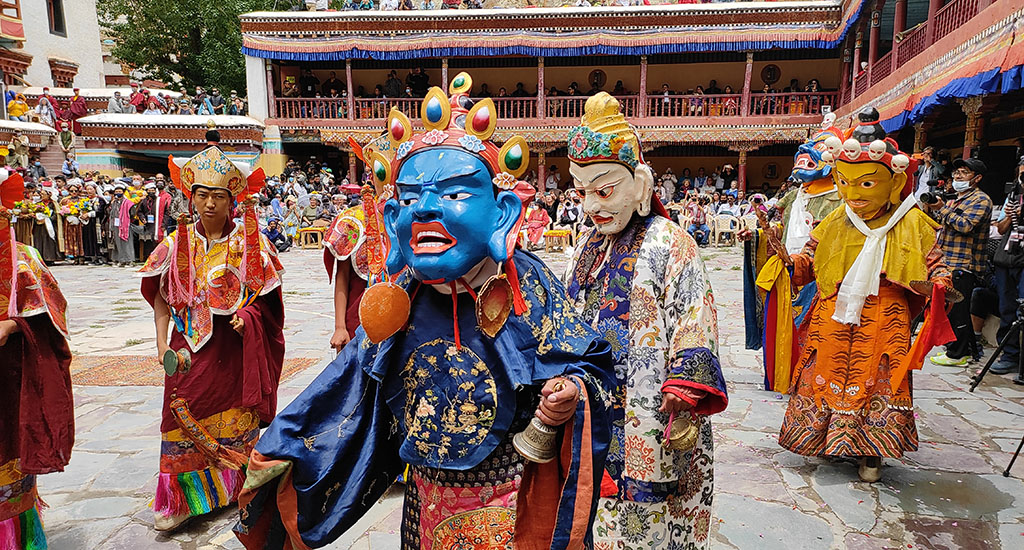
x=37, y=170
x=962, y=238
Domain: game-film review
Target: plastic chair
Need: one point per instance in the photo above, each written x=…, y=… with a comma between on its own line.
x=725, y=226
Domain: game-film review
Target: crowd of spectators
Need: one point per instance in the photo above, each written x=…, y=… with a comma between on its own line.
x=692, y=199
x=142, y=100
x=73, y=216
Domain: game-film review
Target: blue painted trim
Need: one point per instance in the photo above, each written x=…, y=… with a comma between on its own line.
x=993, y=80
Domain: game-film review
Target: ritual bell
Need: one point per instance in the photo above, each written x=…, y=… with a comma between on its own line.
x=537, y=442
x=177, y=361
x=682, y=433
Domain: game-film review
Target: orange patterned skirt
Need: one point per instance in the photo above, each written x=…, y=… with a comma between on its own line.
x=843, y=403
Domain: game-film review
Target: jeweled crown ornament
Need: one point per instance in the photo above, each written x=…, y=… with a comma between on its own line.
x=454, y=121
x=604, y=135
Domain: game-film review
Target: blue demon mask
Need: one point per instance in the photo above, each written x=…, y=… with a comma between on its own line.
x=807, y=164
x=447, y=217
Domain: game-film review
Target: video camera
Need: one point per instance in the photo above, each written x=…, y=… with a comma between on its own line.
x=932, y=198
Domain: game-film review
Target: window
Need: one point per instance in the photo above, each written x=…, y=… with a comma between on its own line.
x=11, y=8
x=55, y=11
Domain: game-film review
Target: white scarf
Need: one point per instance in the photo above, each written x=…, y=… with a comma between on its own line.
x=863, y=277
x=798, y=228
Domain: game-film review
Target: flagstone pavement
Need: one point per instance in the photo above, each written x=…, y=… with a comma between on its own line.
x=948, y=495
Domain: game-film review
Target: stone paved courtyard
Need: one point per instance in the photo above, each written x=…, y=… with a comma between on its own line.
x=948, y=495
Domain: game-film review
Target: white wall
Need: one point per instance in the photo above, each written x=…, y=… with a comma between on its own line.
x=82, y=44
x=256, y=88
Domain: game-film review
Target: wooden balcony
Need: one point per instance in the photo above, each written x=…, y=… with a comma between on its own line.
x=910, y=43
x=688, y=110
x=952, y=15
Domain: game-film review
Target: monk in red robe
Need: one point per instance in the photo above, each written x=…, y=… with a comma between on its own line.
x=76, y=110
x=37, y=425
x=220, y=283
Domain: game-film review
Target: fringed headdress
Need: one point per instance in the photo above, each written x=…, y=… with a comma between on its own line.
x=212, y=169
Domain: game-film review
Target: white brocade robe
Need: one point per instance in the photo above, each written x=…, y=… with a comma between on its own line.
x=665, y=496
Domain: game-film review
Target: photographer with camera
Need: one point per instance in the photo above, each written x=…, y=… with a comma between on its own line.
x=964, y=218
x=1009, y=264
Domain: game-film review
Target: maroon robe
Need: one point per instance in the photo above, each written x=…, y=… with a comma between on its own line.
x=37, y=424
x=76, y=110
x=221, y=378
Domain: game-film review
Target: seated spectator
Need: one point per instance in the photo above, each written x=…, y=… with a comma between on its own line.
x=731, y=104
x=310, y=213
x=46, y=113
x=277, y=237
x=116, y=104
x=734, y=190
x=520, y=91
x=698, y=228
x=18, y=109
x=765, y=105
x=730, y=207
x=569, y=213
x=153, y=107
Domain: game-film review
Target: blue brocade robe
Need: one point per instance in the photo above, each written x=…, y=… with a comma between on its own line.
x=450, y=414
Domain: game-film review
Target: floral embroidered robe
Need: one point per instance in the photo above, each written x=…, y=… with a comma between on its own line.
x=647, y=293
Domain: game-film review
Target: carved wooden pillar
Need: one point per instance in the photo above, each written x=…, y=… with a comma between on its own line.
x=844, y=76
x=444, y=74
x=873, y=35
x=857, y=45
x=974, y=129
x=351, y=107
x=933, y=8
x=271, y=100
x=741, y=169
x=921, y=135
x=353, y=168
x=542, y=169
x=541, y=92
x=748, y=73
x=643, y=110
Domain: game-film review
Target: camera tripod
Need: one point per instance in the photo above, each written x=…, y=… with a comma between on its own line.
x=1014, y=332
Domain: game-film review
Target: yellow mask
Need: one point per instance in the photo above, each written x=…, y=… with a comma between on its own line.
x=868, y=187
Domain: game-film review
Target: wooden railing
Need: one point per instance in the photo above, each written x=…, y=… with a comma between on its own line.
x=790, y=103
x=913, y=42
x=694, y=105
x=881, y=69
x=862, y=84
x=570, y=107
x=952, y=15
x=294, y=107
x=515, y=107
